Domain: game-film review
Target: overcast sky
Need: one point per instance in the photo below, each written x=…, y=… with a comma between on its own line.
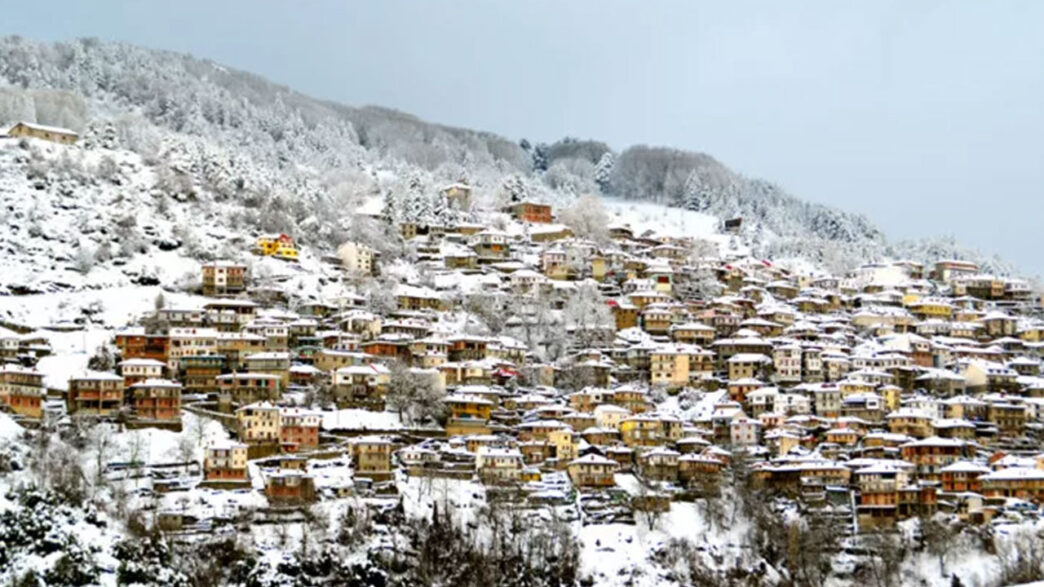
x=925, y=116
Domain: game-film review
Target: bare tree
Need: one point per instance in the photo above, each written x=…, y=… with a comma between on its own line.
x=684, y=558
x=1021, y=555
x=937, y=538
x=648, y=506
x=885, y=557
x=56, y=464
x=186, y=448
x=84, y=260
x=198, y=429
x=102, y=443
x=354, y=524
x=812, y=542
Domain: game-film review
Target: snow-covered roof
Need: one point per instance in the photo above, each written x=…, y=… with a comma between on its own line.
x=43, y=128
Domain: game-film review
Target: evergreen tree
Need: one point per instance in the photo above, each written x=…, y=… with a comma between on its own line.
x=109, y=137
x=698, y=193
x=604, y=171
x=516, y=189
x=539, y=155
x=392, y=209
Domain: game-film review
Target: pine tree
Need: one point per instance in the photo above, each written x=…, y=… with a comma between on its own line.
x=441, y=213
x=417, y=205
x=603, y=171
x=698, y=193
x=515, y=188
x=540, y=157
x=392, y=209
x=110, y=138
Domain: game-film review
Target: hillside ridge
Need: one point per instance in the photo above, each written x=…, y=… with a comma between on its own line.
x=325, y=143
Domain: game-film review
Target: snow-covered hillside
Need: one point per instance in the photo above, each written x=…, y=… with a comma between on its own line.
x=183, y=161
x=277, y=151
x=89, y=217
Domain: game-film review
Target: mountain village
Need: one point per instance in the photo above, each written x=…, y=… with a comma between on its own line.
x=894, y=392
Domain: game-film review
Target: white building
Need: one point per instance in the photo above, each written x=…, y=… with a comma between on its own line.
x=356, y=257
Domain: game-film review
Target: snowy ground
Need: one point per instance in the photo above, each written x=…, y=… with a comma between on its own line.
x=614, y=553
x=357, y=419
x=667, y=220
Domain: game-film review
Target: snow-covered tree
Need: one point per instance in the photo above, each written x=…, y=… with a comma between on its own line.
x=515, y=189
x=603, y=171
x=587, y=314
x=587, y=217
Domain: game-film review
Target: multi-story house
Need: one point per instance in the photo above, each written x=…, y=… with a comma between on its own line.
x=357, y=258
x=280, y=246
x=22, y=390
x=224, y=278
x=259, y=423
x=188, y=341
x=786, y=363
x=95, y=393
x=299, y=429
x=246, y=388
x=930, y=455
x=371, y=457
x=138, y=370
x=593, y=471
x=157, y=402
x=225, y=461
x=498, y=466
x=200, y=373
x=529, y=212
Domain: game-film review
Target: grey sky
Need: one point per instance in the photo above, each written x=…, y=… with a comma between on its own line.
x=925, y=116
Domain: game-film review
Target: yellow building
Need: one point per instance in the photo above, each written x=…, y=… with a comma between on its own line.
x=566, y=445
x=610, y=415
x=468, y=415
x=929, y=307
x=668, y=367
x=1034, y=333
x=279, y=246
x=642, y=431
x=747, y=365
x=892, y=395
x=855, y=386
x=465, y=406
x=598, y=269
x=593, y=471
x=259, y=423
x=910, y=422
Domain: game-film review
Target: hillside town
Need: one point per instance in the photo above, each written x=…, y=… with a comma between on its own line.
x=617, y=376
x=551, y=362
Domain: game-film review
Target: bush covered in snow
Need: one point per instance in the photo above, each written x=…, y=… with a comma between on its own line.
x=40, y=542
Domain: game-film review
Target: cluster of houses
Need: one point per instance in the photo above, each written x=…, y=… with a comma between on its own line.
x=898, y=390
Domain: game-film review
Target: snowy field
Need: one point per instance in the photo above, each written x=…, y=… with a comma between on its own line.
x=658, y=219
